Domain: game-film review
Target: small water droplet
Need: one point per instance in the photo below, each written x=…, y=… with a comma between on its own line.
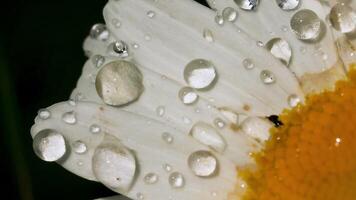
x=140, y=196
x=229, y=14
x=203, y=163
x=167, y=168
x=248, y=63
x=306, y=25
x=247, y=4
x=79, y=147
x=208, y=35
x=280, y=49
x=200, y=73
x=186, y=120
x=260, y=44
x=147, y=37
x=176, y=180
x=151, y=14
x=135, y=45
x=99, y=32
x=44, y=114
x=219, y=20
x=229, y=114
x=167, y=137
x=95, y=128
x=116, y=23
x=160, y=111
x=98, y=60
x=69, y=117
x=219, y=123
x=267, y=77
x=151, y=178
x=120, y=49
x=293, y=100
x=49, y=145
x=188, y=96
x=209, y=136
x=343, y=18
x=288, y=4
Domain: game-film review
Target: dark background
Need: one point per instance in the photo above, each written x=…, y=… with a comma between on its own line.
x=41, y=58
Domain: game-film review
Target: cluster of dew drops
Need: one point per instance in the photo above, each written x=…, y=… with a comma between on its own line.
x=50, y=145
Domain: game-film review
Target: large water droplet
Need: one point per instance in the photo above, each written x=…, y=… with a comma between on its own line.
x=49, y=145
x=203, y=163
x=288, y=4
x=176, y=180
x=69, y=117
x=119, y=83
x=200, y=73
x=188, y=96
x=79, y=147
x=229, y=14
x=44, y=114
x=247, y=4
x=114, y=165
x=209, y=136
x=151, y=178
x=99, y=32
x=267, y=77
x=343, y=18
x=306, y=25
x=280, y=49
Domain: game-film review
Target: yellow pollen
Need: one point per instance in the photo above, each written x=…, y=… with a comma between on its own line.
x=313, y=155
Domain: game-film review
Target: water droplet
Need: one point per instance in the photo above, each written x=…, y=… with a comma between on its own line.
x=203, y=163
x=135, y=46
x=114, y=165
x=49, y=145
x=247, y=4
x=200, y=73
x=79, y=147
x=99, y=32
x=119, y=82
x=288, y=4
x=248, y=63
x=280, y=49
x=343, y=18
x=151, y=14
x=98, y=60
x=306, y=25
x=95, y=128
x=44, y=114
x=120, y=49
x=188, y=96
x=151, y=178
x=140, y=196
x=167, y=168
x=229, y=114
x=293, y=100
x=116, y=23
x=209, y=136
x=267, y=77
x=208, y=35
x=160, y=111
x=69, y=117
x=229, y=14
x=219, y=20
x=219, y=123
x=176, y=180
x=260, y=44
x=167, y=137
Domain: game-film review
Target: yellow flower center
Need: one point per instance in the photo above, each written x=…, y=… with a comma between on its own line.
x=313, y=155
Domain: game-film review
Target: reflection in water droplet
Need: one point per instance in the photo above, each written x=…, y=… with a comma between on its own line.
x=49, y=145
x=209, y=136
x=203, y=163
x=69, y=117
x=176, y=180
x=200, y=73
x=306, y=25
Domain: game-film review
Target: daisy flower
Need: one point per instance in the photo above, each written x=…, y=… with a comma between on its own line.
x=247, y=99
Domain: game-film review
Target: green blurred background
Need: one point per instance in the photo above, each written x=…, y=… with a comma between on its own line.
x=41, y=58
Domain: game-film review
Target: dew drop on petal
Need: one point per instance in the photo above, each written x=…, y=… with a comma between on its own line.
x=49, y=145
x=229, y=114
x=98, y=60
x=203, y=163
x=167, y=137
x=293, y=100
x=167, y=167
x=119, y=82
x=267, y=77
x=151, y=178
x=209, y=136
x=114, y=165
x=140, y=196
x=151, y=14
x=160, y=111
x=219, y=20
x=248, y=63
x=288, y=4
x=280, y=49
x=229, y=14
x=116, y=23
x=200, y=73
x=188, y=96
x=208, y=35
x=176, y=180
x=343, y=18
x=219, y=123
x=257, y=128
x=247, y=4
x=69, y=117
x=306, y=25
x=44, y=114
x=99, y=32
x=94, y=128
x=79, y=147
x=120, y=49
